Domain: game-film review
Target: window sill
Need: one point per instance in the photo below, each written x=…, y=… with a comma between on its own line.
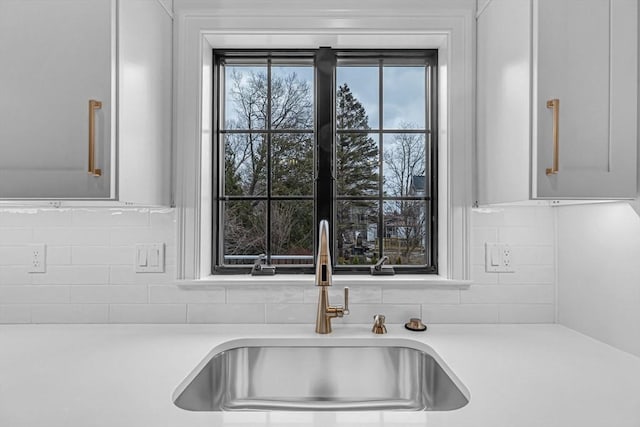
x=418, y=280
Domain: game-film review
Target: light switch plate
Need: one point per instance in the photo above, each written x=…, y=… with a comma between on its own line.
x=498, y=258
x=149, y=258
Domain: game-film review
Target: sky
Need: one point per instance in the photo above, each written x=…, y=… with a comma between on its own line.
x=403, y=94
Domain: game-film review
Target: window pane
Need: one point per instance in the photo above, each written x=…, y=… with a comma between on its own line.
x=245, y=164
x=404, y=97
x=404, y=164
x=245, y=93
x=292, y=159
x=357, y=168
x=357, y=232
x=292, y=232
x=244, y=231
x=357, y=98
x=405, y=232
x=291, y=97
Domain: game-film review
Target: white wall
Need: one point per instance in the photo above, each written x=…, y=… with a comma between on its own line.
x=599, y=273
x=90, y=276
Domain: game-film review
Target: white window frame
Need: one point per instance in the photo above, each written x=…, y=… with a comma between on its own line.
x=202, y=25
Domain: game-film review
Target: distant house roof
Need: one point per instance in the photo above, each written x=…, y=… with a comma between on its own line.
x=418, y=184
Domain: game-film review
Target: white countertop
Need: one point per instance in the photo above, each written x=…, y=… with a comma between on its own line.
x=125, y=375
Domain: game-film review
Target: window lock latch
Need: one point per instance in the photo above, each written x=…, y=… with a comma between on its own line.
x=382, y=269
x=261, y=268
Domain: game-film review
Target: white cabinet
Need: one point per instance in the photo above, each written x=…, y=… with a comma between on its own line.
x=57, y=55
x=557, y=73
x=145, y=101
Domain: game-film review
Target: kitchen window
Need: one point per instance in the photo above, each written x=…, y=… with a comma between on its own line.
x=304, y=135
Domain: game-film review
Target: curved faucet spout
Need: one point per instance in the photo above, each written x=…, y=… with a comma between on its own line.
x=323, y=262
x=326, y=311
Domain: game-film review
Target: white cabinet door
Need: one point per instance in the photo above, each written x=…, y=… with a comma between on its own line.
x=56, y=55
x=586, y=54
x=504, y=102
x=582, y=53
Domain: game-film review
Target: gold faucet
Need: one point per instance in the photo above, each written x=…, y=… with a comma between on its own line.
x=323, y=279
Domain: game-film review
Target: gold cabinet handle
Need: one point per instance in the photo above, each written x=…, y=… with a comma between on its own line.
x=93, y=106
x=555, y=105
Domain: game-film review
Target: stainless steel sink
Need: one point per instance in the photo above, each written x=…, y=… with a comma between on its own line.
x=338, y=375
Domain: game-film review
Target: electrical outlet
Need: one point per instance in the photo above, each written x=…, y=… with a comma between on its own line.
x=498, y=258
x=37, y=258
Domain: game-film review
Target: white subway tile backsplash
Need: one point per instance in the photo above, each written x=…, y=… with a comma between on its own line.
x=162, y=218
x=519, y=216
x=480, y=235
x=480, y=276
x=71, y=236
x=526, y=236
x=290, y=313
x=108, y=294
x=73, y=275
x=14, y=255
x=477, y=255
x=165, y=294
x=527, y=313
x=522, y=255
x=15, y=313
x=103, y=255
x=90, y=275
x=528, y=274
x=508, y=294
x=460, y=313
x=33, y=217
x=534, y=255
x=126, y=275
x=15, y=235
x=147, y=313
x=359, y=294
x=58, y=255
x=115, y=217
x=70, y=313
x=421, y=296
x=394, y=313
x=129, y=236
x=226, y=313
x=488, y=218
x=263, y=294
x=27, y=294
x=14, y=275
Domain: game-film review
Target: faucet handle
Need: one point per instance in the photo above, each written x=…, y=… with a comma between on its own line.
x=345, y=310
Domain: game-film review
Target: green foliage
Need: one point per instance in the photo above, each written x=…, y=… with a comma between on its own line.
x=356, y=169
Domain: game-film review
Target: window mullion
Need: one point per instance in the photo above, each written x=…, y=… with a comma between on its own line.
x=325, y=63
x=269, y=167
x=381, y=221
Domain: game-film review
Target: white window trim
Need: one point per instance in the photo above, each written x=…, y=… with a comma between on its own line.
x=202, y=25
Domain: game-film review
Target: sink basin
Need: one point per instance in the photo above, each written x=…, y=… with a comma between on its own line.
x=321, y=375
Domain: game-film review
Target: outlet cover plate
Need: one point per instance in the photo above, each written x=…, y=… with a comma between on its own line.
x=37, y=262
x=498, y=258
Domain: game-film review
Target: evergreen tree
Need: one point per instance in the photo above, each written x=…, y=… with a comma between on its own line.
x=356, y=171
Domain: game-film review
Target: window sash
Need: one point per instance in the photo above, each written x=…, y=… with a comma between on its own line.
x=326, y=61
